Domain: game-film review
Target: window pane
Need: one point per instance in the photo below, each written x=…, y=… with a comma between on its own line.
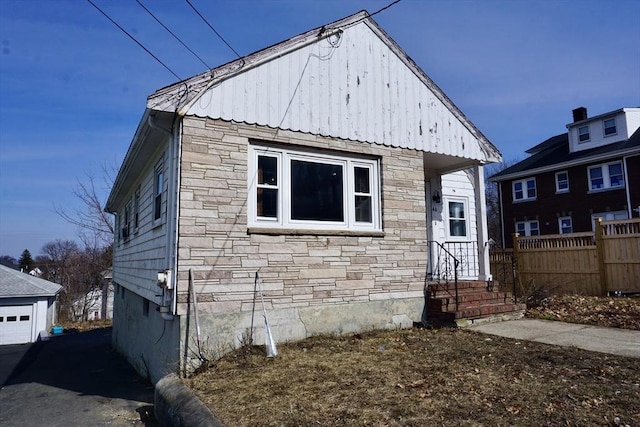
x=583, y=133
x=531, y=189
x=596, y=178
x=615, y=175
x=456, y=210
x=457, y=227
x=362, y=180
x=267, y=170
x=534, y=229
x=610, y=127
x=316, y=191
x=363, y=209
x=267, y=203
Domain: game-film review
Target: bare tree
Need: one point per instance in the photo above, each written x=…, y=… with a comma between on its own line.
x=492, y=196
x=96, y=231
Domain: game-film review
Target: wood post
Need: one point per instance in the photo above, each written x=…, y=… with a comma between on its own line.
x=599, y=232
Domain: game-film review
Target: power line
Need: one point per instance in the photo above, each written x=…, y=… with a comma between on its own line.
x=385, y=8
x=171, y=32
x=134, y=39
x=213, y=29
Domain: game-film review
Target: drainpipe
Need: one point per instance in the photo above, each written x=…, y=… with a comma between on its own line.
x=626, y=184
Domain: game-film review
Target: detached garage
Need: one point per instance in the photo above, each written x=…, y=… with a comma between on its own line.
x=27, y=306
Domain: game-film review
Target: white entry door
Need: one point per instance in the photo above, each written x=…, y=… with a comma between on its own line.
x=15, y=324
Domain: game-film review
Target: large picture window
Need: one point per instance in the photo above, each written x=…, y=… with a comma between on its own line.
x=296, y=189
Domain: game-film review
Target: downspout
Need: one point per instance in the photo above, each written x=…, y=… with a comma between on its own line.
x=179, y=130
x=501, y=212
x=626, y=184
x=168, y=303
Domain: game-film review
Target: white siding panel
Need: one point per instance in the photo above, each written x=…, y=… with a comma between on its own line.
x=353, y=88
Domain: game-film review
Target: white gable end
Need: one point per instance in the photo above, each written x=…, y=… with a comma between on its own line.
x=350, y=85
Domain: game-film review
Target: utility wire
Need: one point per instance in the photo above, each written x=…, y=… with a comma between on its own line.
x=171, y=32
x=134, y=39
x=385, y=8
x=213, y=29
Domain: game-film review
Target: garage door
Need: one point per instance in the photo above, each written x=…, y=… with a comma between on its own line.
x=15, y=324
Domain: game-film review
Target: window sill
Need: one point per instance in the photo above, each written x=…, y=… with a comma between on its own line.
x=602, y=190
x=305, y=232
x=525, y=200
x=562, y=192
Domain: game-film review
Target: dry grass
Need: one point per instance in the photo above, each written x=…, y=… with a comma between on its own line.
x=601, y=311
x=421, y=377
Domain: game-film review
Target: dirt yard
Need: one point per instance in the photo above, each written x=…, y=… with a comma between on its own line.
x=424, y=377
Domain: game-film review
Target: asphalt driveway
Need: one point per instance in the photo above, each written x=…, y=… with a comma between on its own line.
x=73, y=379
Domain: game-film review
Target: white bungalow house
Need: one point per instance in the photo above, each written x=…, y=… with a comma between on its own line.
x=27, y=306
x=329, y=164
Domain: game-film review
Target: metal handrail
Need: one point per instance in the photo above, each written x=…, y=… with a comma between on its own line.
x=456, y=263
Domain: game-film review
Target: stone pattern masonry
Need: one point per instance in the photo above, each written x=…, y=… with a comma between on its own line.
x=295, y=270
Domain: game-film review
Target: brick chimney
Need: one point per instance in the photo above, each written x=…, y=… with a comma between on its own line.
x=579, y=114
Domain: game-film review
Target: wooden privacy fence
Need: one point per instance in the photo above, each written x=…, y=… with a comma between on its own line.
x=597, y=263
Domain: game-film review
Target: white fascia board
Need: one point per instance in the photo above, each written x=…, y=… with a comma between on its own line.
x=551, y=168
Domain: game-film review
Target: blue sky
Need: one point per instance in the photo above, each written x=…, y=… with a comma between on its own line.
x=73, y=87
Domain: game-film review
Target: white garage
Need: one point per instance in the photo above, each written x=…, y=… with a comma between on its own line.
x=27, y=306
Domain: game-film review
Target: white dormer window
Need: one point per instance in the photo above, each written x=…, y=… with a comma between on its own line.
x=583, y=134
x=610, y=127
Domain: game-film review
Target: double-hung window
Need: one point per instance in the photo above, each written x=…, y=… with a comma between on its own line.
x=562, y=182
x=565, y=225
x=158, y=188
x=136, y=210
x=457, y=216
x=610, y=127
x=607, y=176
x=583, y=134
x=524, y=189
x=126, y=226
x=528, y=228
x=295, y=189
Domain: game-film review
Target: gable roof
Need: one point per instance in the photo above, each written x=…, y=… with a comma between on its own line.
x=322, y=81
x=554, y=154
x=16, y=284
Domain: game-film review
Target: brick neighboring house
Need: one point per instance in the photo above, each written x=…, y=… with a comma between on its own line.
x=591, y=171
x=329, y=163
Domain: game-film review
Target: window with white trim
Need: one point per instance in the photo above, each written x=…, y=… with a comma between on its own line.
x=296, y=189
x=608, y=216
x=565, y=225
x=583, y=134
x=609, y=126
x=136, y=210
x=158, y=188
x=126, y=226
x=457, y=218
x=528, y=228
x=524, y=189
x=562, y=182
x=607, y=176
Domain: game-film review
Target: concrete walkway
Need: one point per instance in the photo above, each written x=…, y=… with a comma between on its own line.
x=621, y=342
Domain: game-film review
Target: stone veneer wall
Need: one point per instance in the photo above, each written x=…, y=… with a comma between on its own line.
x=311, y=283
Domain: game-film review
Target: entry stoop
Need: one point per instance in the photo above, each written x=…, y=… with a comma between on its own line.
x=476, y=304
